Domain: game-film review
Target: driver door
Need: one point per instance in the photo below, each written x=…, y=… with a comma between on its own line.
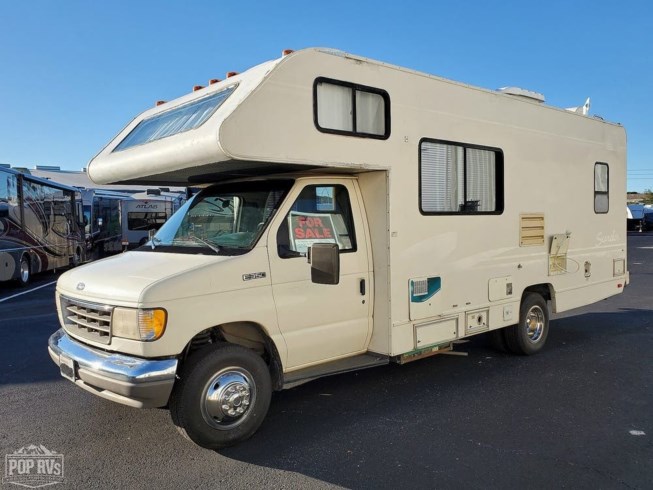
x=321, y=322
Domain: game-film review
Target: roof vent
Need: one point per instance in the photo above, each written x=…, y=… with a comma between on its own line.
x=522, y=93
x=47, y=167
x=153, y=192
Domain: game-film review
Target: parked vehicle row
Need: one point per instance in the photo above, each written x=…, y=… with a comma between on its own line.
x=45, y=225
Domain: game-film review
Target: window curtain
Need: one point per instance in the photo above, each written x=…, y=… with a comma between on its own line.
x=334, y=107
x=442, y=177
x=370, y=114
x=481, y=179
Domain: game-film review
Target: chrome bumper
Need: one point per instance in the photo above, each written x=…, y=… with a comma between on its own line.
x=132, y=381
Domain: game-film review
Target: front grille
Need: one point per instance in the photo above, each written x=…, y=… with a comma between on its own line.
x=88, y=320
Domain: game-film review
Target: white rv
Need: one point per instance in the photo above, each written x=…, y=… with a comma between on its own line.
x=144, y=212
x=354, y=213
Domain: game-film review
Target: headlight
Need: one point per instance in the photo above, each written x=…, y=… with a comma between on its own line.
x=145, y=324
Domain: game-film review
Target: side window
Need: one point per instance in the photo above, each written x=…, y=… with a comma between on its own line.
x=321, y=214
x=9, y=198
x=350, y=109
x=34, y=208
x=601, y=188
x=460, y=179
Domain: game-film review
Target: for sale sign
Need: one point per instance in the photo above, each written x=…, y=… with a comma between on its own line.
x=309, y=228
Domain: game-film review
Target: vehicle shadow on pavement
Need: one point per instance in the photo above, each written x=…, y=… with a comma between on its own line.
x=379, y=426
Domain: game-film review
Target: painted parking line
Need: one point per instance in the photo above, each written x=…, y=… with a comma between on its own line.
x=28, y=291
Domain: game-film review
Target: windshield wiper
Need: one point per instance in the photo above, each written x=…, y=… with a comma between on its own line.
x=212, y=246
x=154, y=241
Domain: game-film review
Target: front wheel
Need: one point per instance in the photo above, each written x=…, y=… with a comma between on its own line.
x=222, y=396
x=529, y=335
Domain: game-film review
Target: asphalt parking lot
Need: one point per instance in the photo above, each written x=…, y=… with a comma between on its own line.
x=577, y=415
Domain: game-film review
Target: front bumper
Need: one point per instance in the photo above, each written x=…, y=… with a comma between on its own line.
x=141, y=383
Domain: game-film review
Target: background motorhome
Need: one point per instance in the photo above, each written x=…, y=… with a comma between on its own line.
x=40, y=226
x=147, y=211
x=103, y=221
x=114, y=220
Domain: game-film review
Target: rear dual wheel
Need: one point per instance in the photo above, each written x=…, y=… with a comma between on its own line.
x=529, y=335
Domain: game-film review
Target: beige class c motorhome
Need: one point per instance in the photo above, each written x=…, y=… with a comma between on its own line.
x=358, y=213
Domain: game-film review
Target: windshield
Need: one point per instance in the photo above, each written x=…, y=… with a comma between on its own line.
x=225, y=219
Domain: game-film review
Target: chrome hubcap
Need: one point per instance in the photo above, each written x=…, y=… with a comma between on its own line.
x=535, y=324
x=228, y=397
x=24, y=271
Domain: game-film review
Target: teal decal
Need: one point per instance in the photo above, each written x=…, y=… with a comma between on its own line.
x=420, y=292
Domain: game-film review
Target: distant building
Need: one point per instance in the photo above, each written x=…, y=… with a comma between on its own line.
x=635, y=197
x=80, y=179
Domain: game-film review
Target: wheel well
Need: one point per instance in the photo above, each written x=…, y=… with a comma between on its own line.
x=246, y=334
x=544, y=290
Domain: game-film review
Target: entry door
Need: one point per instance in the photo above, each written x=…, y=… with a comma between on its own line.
x=318, y=321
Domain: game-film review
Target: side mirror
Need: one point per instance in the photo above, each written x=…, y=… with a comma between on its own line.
x=325, y=263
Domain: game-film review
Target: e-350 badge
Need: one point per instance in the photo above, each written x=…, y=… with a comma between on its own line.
x=254, y=275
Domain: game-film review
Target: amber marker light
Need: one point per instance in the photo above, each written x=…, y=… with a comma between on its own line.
x=152, y=323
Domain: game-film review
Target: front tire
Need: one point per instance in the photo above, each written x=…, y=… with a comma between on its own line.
x=529, y=335
x=222, y=396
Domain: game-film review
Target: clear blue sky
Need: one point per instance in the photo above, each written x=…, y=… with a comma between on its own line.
x=73, y=73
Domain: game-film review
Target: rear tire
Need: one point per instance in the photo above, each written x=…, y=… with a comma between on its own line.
x=222, y=396
x=529, y=335
x=25, y=271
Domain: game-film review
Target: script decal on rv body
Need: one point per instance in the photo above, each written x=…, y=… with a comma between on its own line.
x=147, y=206
x=602, y=238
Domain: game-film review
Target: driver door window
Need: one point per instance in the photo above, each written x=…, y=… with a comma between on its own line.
x=320, y=214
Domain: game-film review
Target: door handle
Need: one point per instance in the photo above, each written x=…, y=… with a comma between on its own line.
x=362, y=287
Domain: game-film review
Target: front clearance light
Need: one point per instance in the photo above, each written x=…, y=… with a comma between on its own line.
x=139, y=324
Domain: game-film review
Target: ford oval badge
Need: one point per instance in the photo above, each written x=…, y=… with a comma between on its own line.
x=80, y=286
